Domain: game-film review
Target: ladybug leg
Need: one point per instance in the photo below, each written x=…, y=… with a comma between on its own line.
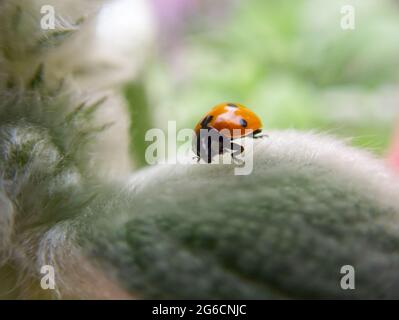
x=236, y=149
x=258, y=134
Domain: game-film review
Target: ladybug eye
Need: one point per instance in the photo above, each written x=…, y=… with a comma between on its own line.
x=243, y=123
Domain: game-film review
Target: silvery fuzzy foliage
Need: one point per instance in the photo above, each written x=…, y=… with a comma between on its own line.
x=45, y=133
x=311, y=206
x=44, y=174
x=23, y=42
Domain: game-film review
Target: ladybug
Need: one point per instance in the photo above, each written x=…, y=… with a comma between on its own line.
x=215, y=133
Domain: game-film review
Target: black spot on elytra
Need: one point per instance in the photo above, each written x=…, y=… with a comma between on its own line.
x=243, y=123
x=205, y=121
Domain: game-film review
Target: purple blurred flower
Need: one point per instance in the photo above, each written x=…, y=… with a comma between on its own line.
x=175, y=16
x=172, y=16
x=172, y=13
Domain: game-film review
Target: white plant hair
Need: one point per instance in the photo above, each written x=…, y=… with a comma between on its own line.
x=311, y=205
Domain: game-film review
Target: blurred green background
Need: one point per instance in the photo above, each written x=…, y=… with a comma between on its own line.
x=289, y=61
